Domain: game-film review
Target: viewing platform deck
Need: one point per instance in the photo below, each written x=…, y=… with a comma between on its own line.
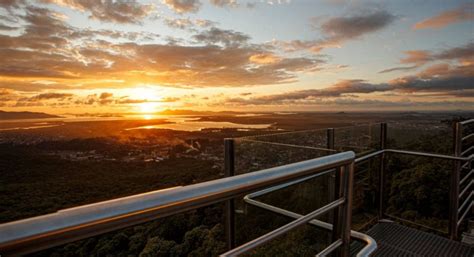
x=394, y=239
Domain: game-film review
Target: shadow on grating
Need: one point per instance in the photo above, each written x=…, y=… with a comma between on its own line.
x=396, y=240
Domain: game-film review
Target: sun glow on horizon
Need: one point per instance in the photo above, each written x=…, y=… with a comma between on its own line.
x=148, y=107
x=150, y=101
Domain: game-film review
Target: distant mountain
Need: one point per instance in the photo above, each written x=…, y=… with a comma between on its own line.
x=25, y=115
x=191, y=112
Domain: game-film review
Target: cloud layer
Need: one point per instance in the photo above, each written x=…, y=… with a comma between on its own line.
x=50, y=49
x=119, y=11
x=461, y=14
x=338, y=30
x=48, y=62
x=418, y=58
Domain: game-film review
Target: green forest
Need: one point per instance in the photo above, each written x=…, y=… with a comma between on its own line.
x=36, y=183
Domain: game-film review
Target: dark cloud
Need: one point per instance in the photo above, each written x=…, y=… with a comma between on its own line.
x=105, y=98
x=183, y=6
x=443, y=19
x=225, y=3
x=7, y=96
x=48, y=96
x=7, y=4
x=336, y=90
x=119, y=11
x=250, y=5
x=420, y=57
x=462, y=52
x=132, y=101
x=445, y=84
x=114, y=34
x=179, y=23
x=407, y=68
x=439, y=80
x=338, y=30
x=351, y=104
x=7, y=28
x=170, y=99
x=20, y=84
x=105, y=95
x=221, y=36
x=187, y=23
x=5, y=91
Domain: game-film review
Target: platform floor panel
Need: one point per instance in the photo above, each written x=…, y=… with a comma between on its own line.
x=396, y=240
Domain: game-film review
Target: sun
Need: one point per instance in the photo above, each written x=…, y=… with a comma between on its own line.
x=145, y=93
x=148, y=107
x=149, y=102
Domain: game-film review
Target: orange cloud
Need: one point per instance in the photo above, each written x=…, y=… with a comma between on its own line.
x=113, y=11
x=183, y=6
x=264, y=58
x=416, y=56
x=48, y=49
x=446, y=18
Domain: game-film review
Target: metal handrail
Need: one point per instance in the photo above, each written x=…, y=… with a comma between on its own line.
x=467, y=137
x=466, y=189
x=343, y=221
x=467, y=150
x=414, y=153
x=466, y=177
x=288, y=145
x=371, y=244
x=284, y=229
x=33, y=234
x=465, y=213
x=466, y=201
x=466, y=122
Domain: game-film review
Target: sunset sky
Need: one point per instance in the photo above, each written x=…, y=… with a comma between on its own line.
x=77, y=56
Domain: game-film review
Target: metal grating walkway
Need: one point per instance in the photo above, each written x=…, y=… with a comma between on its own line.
x=397, y=240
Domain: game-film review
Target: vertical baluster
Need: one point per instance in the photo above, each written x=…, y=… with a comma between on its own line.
x=454, y=183
x=229, y=168
x=383, y=145
x=348, y=190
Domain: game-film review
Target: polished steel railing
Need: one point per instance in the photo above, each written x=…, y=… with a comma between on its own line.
x=457, y=212
x=370, y=244
x=37, y=233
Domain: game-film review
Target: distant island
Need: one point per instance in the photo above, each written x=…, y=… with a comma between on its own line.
x=25, y=115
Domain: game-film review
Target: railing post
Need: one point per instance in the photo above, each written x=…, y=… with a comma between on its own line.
x=330, y=138
x=383, y=145
x=346, y=216
x=454, y=183
x=229, y=168
x=338, y=212
x=332, y=177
